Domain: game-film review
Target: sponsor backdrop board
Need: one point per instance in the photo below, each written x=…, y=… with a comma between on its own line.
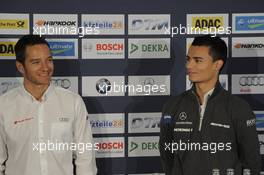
x=127, y=59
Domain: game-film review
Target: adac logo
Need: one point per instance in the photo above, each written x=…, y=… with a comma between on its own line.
x=7, y=48
x=42, y=22
x=249, y=45
x=244, y=23
x=59, y=48
x=207, y=22
x=13, y=24
x=149, y=47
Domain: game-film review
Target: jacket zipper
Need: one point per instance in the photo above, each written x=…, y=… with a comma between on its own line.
x=201, y=117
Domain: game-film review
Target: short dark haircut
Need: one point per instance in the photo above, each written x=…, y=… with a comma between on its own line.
x=217, y=46
x=23, y=42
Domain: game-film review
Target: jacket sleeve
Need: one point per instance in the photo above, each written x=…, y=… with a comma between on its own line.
x=247, y=139
x=84, y=159
x=165, y=141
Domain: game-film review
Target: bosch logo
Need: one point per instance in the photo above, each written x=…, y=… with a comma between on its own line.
x=110, y=145
x=251, y=81
x=105, y=47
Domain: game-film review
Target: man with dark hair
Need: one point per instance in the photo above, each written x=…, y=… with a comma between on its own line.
x=206, y=130
x=41, y=126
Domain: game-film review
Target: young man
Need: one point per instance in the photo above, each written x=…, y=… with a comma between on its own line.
x=42, y=127
x=206, y=130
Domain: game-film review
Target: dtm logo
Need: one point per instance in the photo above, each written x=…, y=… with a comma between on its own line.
x=146, y=122
x=103, y=86
x=251, y=81
x=62, y=48
x=149, y=24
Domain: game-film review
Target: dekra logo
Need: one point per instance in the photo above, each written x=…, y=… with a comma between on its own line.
x=149, y=48
x=143, y=146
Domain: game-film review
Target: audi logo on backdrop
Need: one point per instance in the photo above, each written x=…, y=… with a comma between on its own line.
x=64, y=83
x=251, y=81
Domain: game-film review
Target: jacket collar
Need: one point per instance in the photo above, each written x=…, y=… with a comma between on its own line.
x=217, y=89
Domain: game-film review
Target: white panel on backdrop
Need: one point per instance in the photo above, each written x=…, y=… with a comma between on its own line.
x=261, y=142
x=14, y=23
x=248, y=47
x=110, y=147
x=108, y=24
x=107, y=123
x=103, y=48
x=55, y=24
x=144, y=122
x=64, y=48
x=149, y=48
x=248, y=23
x=223, y=79
x=208, y=23
x=151, y=24
x=93, y=86
x=7, y=48
x=248, y=84
x=143, y=146
x=70, y=83
x=8, y=83
x=149, y=85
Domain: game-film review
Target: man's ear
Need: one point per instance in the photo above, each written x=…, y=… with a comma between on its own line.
x=219, y=64
x=20, y=67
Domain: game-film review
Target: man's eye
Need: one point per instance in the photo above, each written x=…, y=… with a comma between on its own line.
x=198, y=61
x=35, y=62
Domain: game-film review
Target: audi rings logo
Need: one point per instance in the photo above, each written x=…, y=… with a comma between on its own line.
x=251, y=81
x=64, y=83
x=103, y=85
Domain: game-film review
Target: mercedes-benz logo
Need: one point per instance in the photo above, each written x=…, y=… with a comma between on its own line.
x=183, y=116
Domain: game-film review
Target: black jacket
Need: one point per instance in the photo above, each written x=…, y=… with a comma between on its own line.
x=226, y=140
